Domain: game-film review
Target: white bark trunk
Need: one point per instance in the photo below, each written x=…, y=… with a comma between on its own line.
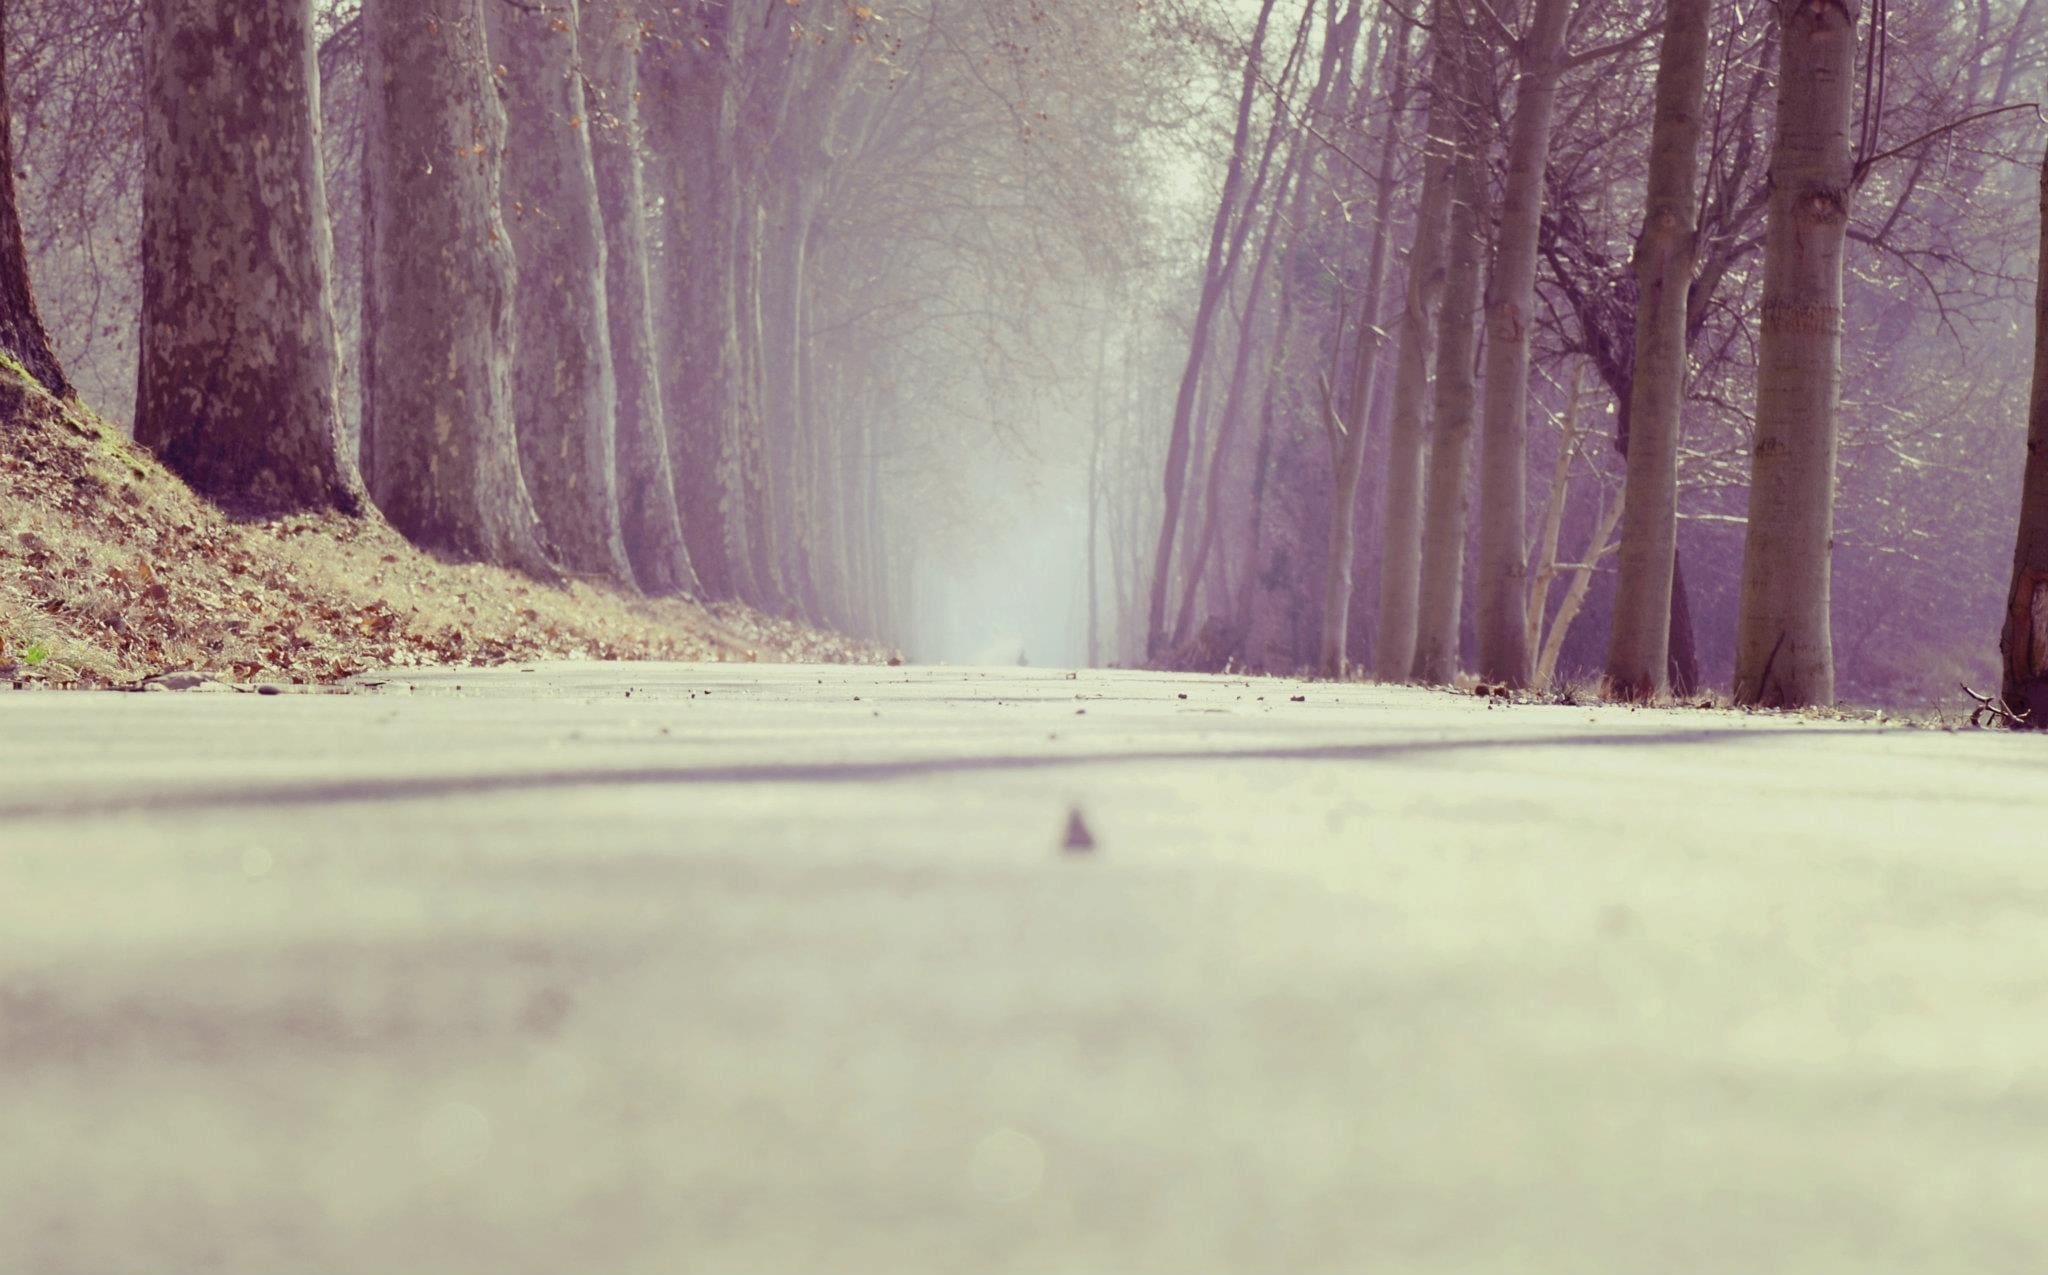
x=1784, y=653
x=1445, y=499
x=1502, y=601
x=1638, y=653
x=1408, y=425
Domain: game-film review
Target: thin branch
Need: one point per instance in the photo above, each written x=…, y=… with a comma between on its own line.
x=1600, y=51
x=1863, y=169
x=1408, y=17
x=1500, y=28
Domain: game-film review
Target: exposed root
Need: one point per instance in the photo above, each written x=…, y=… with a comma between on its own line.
x=1994, y=710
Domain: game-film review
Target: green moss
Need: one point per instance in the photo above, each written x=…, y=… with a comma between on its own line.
x=14, y=365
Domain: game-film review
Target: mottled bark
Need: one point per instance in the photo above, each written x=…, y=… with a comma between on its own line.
x=1407, y=422
x=1639, y=649
x=649, y=522
x=22, y=335
x=1502, y=597
x=1784, y=653
x=237, y=388
x=439, y=449
x=2024, y=643
x=1445, y=503
x=690, y=116
x=563, y=394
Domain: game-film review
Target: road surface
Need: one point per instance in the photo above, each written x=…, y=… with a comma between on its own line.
x=785, y=971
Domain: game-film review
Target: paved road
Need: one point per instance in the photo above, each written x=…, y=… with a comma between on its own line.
x=753, y=971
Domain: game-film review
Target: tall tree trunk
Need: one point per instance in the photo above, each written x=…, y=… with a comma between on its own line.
x=753, y=483
x=1095, y=442
x=237, y=389
x=1407, y=425
x=1349, y=443
x=1340, y=36
x=1503, y=593
x=2024, y=643
x=649, y=522
x=1215, y=287
x=1226, y=432
x=690, y=130
x=1684, y=664
x=1639, y=649
x=857, y=431
x=1277, y=363
x=22, y=334
x=439, y=449
x=1784, y=653
x=1441, y=588
x=795, y=445
x=564, y=398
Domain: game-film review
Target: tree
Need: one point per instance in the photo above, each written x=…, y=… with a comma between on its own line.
x=690, y=135
x=1503, y=594
x=1347, y=428
x=1444, y=497
x=564, y=397
x=1228, y=230
x=1340, y=34
x=439, y=449
x=1641, y=638
x=1407, y=427
x=612, y=41
x=237, y=390
x=21, y=324
x=2024, y=643
x=1784, y=653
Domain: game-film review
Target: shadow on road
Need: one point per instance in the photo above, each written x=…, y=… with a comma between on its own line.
x=371, y=789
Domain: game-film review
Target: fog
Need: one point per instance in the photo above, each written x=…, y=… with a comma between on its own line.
x=966, y=248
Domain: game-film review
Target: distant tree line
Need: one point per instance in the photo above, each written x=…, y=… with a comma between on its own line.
x=1770, y=242
x=589, y=288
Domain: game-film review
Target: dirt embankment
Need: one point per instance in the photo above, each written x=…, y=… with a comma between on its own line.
x=111, y=570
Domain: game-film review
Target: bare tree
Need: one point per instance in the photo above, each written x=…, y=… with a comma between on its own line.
x=1641, y=639
x=1408, y=424
x=1445, y=495
x=1226, y=241
x=2024, y=643
x=1503, y=595
x=1784, y=653
x=1347, y=427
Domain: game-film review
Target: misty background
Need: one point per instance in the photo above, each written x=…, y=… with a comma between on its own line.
x=1014, y=202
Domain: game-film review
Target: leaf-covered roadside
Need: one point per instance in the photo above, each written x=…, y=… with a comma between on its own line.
x=111, y=571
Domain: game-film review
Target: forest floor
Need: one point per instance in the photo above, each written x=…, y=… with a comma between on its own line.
x=774, y=969
x=112, y=571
